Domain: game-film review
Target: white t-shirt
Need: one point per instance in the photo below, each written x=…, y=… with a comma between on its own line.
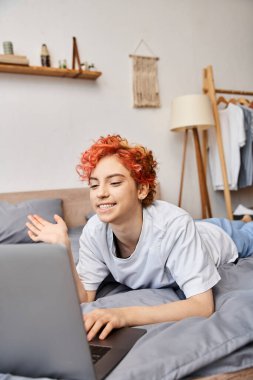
x=233, y=137
x=171, y=248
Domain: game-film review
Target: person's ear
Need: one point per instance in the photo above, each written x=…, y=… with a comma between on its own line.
x=143, y=191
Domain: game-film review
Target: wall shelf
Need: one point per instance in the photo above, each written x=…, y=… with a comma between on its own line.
x=49, y=72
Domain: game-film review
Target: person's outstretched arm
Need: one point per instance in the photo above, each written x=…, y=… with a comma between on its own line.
x=200, y=305
x=40, y=229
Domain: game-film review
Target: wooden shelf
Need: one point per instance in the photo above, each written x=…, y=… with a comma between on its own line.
x=49, y=72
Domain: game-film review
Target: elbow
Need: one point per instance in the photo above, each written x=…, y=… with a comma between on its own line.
x=208, y=312
x=204, y=311
x=204, y=304
x=207, y=309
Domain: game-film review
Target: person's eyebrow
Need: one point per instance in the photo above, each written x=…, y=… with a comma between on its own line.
x=115, y=175
x=109, y=176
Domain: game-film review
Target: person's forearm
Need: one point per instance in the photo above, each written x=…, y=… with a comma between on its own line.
x=174, y=311
x=82, y=294
x=200, y=305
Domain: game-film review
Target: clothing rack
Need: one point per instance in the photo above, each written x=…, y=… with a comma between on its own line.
x=211, y=91
x=233, y=92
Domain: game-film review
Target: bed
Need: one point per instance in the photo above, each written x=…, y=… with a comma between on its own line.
x=217, y=348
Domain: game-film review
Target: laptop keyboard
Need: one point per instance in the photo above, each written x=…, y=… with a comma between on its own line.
x=97, y=352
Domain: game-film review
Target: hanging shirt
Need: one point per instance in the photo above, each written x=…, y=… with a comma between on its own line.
x=233, y=137
x=246, y=170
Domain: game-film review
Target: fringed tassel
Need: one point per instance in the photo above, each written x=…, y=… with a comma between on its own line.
x=145, y=82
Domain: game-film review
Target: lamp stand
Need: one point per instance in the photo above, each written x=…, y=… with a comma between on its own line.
x=205, y=202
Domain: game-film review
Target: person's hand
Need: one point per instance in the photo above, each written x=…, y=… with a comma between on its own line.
x=105, y=319
x=40, y=229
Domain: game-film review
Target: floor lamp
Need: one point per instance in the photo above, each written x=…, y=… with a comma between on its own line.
x=193, y=113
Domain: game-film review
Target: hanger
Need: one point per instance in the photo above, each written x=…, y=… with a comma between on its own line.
x=221, y=99
x=142, y=42
x=75, y=55
x=233, y=101
x=243, y=102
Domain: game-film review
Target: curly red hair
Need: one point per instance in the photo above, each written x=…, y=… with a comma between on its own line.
x=136, y=158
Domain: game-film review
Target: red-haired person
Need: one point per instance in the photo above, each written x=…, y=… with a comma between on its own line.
x=143, y=243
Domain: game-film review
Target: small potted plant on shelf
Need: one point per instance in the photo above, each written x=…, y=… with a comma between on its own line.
x=88, y=66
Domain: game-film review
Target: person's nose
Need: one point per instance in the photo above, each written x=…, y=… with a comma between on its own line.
x=102, y=191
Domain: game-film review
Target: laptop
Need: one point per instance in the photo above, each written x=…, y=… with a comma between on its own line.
x=41, y=327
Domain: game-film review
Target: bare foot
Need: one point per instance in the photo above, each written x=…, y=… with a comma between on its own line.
x=246, y=219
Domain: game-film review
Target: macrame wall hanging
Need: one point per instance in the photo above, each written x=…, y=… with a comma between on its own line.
x=145, y=80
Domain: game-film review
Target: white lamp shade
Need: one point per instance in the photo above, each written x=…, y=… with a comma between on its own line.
x=191, y=111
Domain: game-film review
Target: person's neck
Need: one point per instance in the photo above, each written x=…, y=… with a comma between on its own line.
x=127, y=235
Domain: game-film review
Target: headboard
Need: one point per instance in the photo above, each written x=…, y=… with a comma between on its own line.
x=76, y=202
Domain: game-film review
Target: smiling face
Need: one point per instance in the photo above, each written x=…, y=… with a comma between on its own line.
x=114, y=195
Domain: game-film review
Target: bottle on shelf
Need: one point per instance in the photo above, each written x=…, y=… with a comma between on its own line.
x=8, y=47
x=45, y=57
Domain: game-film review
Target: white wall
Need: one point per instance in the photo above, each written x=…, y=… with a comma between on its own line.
x=47, y=122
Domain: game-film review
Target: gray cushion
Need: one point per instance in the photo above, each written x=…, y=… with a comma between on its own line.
x=14, y=216
x=74, y=236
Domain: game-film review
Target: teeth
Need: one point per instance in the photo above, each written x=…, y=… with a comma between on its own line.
x=105, y=206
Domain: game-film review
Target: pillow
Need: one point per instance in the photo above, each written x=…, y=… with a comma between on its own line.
x=14, y=216
x=74, y=236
